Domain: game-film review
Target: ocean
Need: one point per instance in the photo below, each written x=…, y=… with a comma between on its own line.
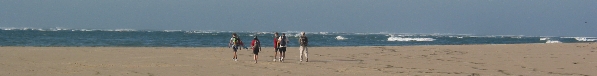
x=57, y=37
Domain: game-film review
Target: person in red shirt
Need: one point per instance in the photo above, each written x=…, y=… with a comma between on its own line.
x=256, y=46
x=276, y=45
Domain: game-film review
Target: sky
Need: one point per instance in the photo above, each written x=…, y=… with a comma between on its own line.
x=479, y=17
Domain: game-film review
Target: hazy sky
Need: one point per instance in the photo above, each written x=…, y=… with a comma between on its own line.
x=481, y=17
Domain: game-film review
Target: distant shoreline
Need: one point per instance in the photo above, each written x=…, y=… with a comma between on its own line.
x=298, y=46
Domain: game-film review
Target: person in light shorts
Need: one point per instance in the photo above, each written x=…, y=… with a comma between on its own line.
x=303, y=50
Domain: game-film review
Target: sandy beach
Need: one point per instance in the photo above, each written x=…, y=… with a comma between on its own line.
x=569, y=59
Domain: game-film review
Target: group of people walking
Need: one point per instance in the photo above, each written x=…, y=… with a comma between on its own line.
x=280, y=45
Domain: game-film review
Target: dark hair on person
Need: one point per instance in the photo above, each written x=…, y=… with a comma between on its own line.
x=234, y=34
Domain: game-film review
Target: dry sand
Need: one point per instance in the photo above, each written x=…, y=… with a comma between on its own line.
x=574, y=59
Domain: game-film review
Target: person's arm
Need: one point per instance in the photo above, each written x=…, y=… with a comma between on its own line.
x=243, y=44
x=300, y=41
x=287, y=41
x=279, y=41
x=240, y=42
x=230, y=43
x=252, y=44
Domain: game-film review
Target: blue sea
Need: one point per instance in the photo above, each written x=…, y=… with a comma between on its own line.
x=57, y=37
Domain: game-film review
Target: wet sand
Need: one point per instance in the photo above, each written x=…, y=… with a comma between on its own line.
x=569, y=59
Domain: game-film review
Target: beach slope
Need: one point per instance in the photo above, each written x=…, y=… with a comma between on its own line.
x=573, y=59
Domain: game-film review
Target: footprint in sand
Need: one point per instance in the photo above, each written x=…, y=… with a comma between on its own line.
x=476, y=63
x=475, y=74
x=364, y=53
x=504, y=72
x=567, y=73
x=389, y=66
x=150, y=74
x=433, y=54
x=478, y=68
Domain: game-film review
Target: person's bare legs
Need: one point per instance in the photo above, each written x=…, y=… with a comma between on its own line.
x=235, y=56
x=282, y=56
x=255, y=57
x=275, y=54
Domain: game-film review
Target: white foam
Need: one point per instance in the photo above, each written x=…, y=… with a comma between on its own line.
x=457, y=36
x=172, y=30
x=578, y=37
x=340, y=38
x=296, y=33
x=323, y=33
x=516, y=37
x=409, y=39
x=543, y=39
x=202, y=31
x=553, y=41
x=585, y=39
